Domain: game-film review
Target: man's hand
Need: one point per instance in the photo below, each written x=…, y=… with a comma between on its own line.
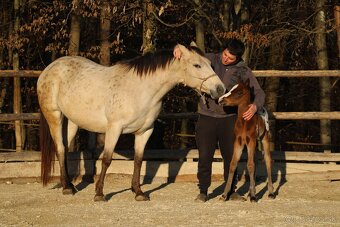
x=250, y=112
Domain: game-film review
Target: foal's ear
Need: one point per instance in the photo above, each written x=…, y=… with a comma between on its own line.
x=193, y=44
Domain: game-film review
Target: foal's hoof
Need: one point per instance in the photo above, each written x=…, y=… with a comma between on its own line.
x=223, y=198
x=271, y=196
x=67, y=191
x=253, y=199
x=237, y=197
x=99, y=198
x=142, y=198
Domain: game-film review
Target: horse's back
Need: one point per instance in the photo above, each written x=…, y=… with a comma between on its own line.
x=68, y=67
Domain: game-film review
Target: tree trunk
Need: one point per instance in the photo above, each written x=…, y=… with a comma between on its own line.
x=104, y=34
x=225, y=15
x=244, y=17
x=19, y=130
x=199, y=27
x=322, y=61
x=149, y=27
x=73, y=48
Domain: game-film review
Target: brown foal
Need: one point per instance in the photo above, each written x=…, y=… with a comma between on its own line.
x=246, y=134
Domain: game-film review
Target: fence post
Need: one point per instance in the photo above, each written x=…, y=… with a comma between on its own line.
x=17, y=110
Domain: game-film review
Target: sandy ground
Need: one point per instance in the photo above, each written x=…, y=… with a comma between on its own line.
x=307, y=203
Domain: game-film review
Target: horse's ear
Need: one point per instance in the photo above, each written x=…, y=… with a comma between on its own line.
x=193, y=44
x=179, y=51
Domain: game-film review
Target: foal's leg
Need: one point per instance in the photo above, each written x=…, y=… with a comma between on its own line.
x=111, y=138
x=55, y=121
x=251, y=168
x=268, y=161
x=238, y=147
x=140, y=142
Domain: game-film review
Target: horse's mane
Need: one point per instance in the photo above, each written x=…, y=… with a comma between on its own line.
x=149, y=62
x=152, y=61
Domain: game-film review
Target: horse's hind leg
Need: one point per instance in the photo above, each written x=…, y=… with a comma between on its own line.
x=111, y=138
x=251, y=168
x=71, y=132
x=268, y=161
x=140, y=142
x=55, y=121
x=232, y=167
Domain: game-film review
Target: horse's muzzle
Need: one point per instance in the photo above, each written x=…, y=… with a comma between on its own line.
x=218, y=92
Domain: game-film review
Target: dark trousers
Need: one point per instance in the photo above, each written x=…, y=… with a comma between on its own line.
x=211, y=131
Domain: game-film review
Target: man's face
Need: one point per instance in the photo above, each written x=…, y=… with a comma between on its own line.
x=227, y=57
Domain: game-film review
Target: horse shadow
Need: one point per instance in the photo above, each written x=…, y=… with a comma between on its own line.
x=90, y=155
x=278, y=177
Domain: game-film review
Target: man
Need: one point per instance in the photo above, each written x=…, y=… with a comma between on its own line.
x=216, y=123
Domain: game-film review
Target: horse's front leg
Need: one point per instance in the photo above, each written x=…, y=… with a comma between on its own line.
x=140, y=142
x=251, y=168
x=111, y=138
x=232, y=167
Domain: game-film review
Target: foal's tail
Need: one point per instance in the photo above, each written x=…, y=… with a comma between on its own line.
x=47, y=148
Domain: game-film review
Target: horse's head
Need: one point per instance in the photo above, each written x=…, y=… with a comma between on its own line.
x=197, y=71
x=236, y=95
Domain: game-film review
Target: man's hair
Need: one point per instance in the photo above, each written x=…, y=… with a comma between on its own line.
x=235, y=47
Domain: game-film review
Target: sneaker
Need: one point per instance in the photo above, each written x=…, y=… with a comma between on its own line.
x=202, y=197
x=236, y=197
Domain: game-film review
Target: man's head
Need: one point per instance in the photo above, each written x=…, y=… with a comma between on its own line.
x=233, y=51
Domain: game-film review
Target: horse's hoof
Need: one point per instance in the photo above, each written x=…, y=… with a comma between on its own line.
x=142, y=198
x=253, y=199
x=67, y=191
x=271, y=196
x=223, y=198
x=99, y=198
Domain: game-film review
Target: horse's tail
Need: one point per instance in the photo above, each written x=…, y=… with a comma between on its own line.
x=47, y=148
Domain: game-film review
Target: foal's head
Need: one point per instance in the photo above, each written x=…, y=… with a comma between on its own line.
x=237, y=95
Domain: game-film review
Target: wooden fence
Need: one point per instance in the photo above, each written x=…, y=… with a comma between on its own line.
x=17, y=116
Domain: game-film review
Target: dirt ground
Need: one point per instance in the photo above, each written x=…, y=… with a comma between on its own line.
x=306, y=203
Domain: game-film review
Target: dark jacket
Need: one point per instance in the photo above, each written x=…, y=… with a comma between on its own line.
x=230, y=75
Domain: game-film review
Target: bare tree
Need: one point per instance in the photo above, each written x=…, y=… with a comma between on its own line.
x=105, y=33
x=149, y=27
x=322, y=61
x=199, y=28
x=225, y=15
x=73, y=48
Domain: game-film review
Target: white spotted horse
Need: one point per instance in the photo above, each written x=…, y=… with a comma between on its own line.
x=123, y=98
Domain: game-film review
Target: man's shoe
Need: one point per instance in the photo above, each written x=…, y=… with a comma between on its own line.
x=202, y=198
x=236, y=197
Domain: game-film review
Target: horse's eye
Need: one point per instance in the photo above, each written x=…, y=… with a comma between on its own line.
x=239, y=93
x=197, y=66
